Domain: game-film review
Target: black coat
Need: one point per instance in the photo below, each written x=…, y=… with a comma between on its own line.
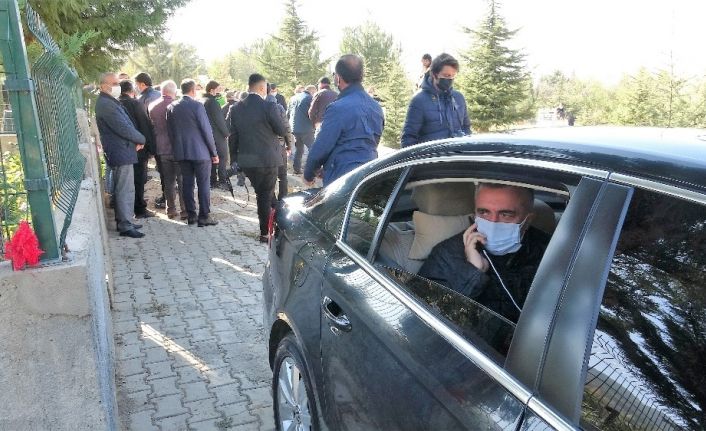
x=447, y=265
x=215, y=117
x=138, y=114
x=255, y=129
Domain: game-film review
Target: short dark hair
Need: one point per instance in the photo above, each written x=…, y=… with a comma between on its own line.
x=273, y=86
x=187, y=85
x=255, y=78
x=144, y=78
x=442, y=60
x=426, y=57
x=126, y=87
x=526, y=193
x=211, y=85
x=324, y=80
x=350, y=68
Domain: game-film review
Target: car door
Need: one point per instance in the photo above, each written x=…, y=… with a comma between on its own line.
x=388, y=360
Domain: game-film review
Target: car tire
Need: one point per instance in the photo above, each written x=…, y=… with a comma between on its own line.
x=293, y=397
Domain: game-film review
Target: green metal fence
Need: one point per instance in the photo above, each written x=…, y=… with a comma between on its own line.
x=44, y=99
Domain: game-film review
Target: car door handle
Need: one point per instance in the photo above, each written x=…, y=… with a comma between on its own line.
x=335, y=315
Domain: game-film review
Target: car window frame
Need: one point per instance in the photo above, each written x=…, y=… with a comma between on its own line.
x=509, y=382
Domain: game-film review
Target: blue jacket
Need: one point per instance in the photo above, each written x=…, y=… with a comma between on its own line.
x=349, y=135
x=435, y=115
x=190, y=131
x=299, y=113
x=117, y=131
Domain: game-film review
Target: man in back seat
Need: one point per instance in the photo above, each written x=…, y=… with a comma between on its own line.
x=502, y=229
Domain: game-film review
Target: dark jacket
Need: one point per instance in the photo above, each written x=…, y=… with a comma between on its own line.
x=139, y=117
x=148, y=96
x=158, y=115
x=190, y=131
x=226, y=108
x=117, y=132
x=435, y=115
x=299, y=113
x=447, y=265
x=282, y=102
x=255, y=128
x=215, y=117
x=319, y=103
x=349, y=135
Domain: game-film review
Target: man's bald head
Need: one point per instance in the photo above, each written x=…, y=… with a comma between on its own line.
x=350, y=68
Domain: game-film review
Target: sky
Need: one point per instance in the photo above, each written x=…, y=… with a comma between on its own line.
x=598, y=39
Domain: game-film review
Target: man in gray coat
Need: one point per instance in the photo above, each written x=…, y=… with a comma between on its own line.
x=121, y=141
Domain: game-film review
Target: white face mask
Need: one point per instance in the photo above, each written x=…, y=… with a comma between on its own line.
x=502, y=238
x=115, y=91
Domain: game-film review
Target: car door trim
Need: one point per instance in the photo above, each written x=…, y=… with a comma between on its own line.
x=542, y=164
x=655, y=186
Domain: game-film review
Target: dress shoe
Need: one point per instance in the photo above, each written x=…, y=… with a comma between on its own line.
x=264, y=238
x=136, y=226
x=132, y=233
x=208, y=222
x=191, y=220
x=146, y=214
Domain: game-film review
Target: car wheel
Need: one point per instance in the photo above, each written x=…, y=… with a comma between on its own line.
x=294, y=405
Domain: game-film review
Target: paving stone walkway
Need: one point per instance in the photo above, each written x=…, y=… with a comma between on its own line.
x=187, y=317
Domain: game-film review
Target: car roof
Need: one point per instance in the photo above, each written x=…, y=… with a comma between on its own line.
x=672, y=156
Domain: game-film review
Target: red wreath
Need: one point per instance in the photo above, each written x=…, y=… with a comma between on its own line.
x=23, y=249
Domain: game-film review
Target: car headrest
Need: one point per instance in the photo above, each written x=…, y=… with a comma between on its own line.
x=446, y=199
x=544, y=218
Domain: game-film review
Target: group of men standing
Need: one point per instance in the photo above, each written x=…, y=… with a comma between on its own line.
x=177, y=132
x=193, y=141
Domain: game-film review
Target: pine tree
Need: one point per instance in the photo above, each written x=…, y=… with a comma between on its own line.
x=383, y=73
x=495, y=82
x=292, y=56
x=96, y=35
x=164, y=60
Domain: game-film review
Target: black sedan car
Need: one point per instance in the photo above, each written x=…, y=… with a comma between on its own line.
x=611, y=333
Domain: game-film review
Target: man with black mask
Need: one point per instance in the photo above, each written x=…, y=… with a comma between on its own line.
x=437, y=111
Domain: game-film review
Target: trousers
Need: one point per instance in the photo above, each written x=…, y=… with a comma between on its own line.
x=263, y=181
x=200, y=171
x=124, y=194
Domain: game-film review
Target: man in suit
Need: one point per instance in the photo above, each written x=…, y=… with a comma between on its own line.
x=256, y=126
x=302, y=127
x=220, y=134
x=121, y=141
x=138, y=115
x=194, y=149
x=278, y=97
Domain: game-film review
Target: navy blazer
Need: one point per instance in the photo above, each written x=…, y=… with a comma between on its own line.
x=118, y=134
x=190, y=131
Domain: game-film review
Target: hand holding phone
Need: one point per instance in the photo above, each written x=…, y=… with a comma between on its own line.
x=473, y=242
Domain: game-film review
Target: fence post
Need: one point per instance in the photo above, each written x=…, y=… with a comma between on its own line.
x=20, y=89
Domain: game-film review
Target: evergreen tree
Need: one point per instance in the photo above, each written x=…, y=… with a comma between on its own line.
x=494, y=80
x=234, y=69
x=383, y=72
x=164, y=60
x=638, y=101
x=96, y=35
x=292, y=56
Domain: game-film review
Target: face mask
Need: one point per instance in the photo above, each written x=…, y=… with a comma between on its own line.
x=115, y=91
x=445, y=84
x=502, y=238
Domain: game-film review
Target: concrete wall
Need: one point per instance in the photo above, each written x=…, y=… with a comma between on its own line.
x=56, y=344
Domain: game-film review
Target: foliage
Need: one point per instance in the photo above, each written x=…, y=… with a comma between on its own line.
x=13, y=197
x=292, y=56
x=383, y=73
x=234, y=69
x=589, y=101
x=96, y=35
x=164, y=60
x=494, y=80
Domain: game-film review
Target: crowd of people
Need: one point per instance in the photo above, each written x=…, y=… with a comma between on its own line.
x=198, y=141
